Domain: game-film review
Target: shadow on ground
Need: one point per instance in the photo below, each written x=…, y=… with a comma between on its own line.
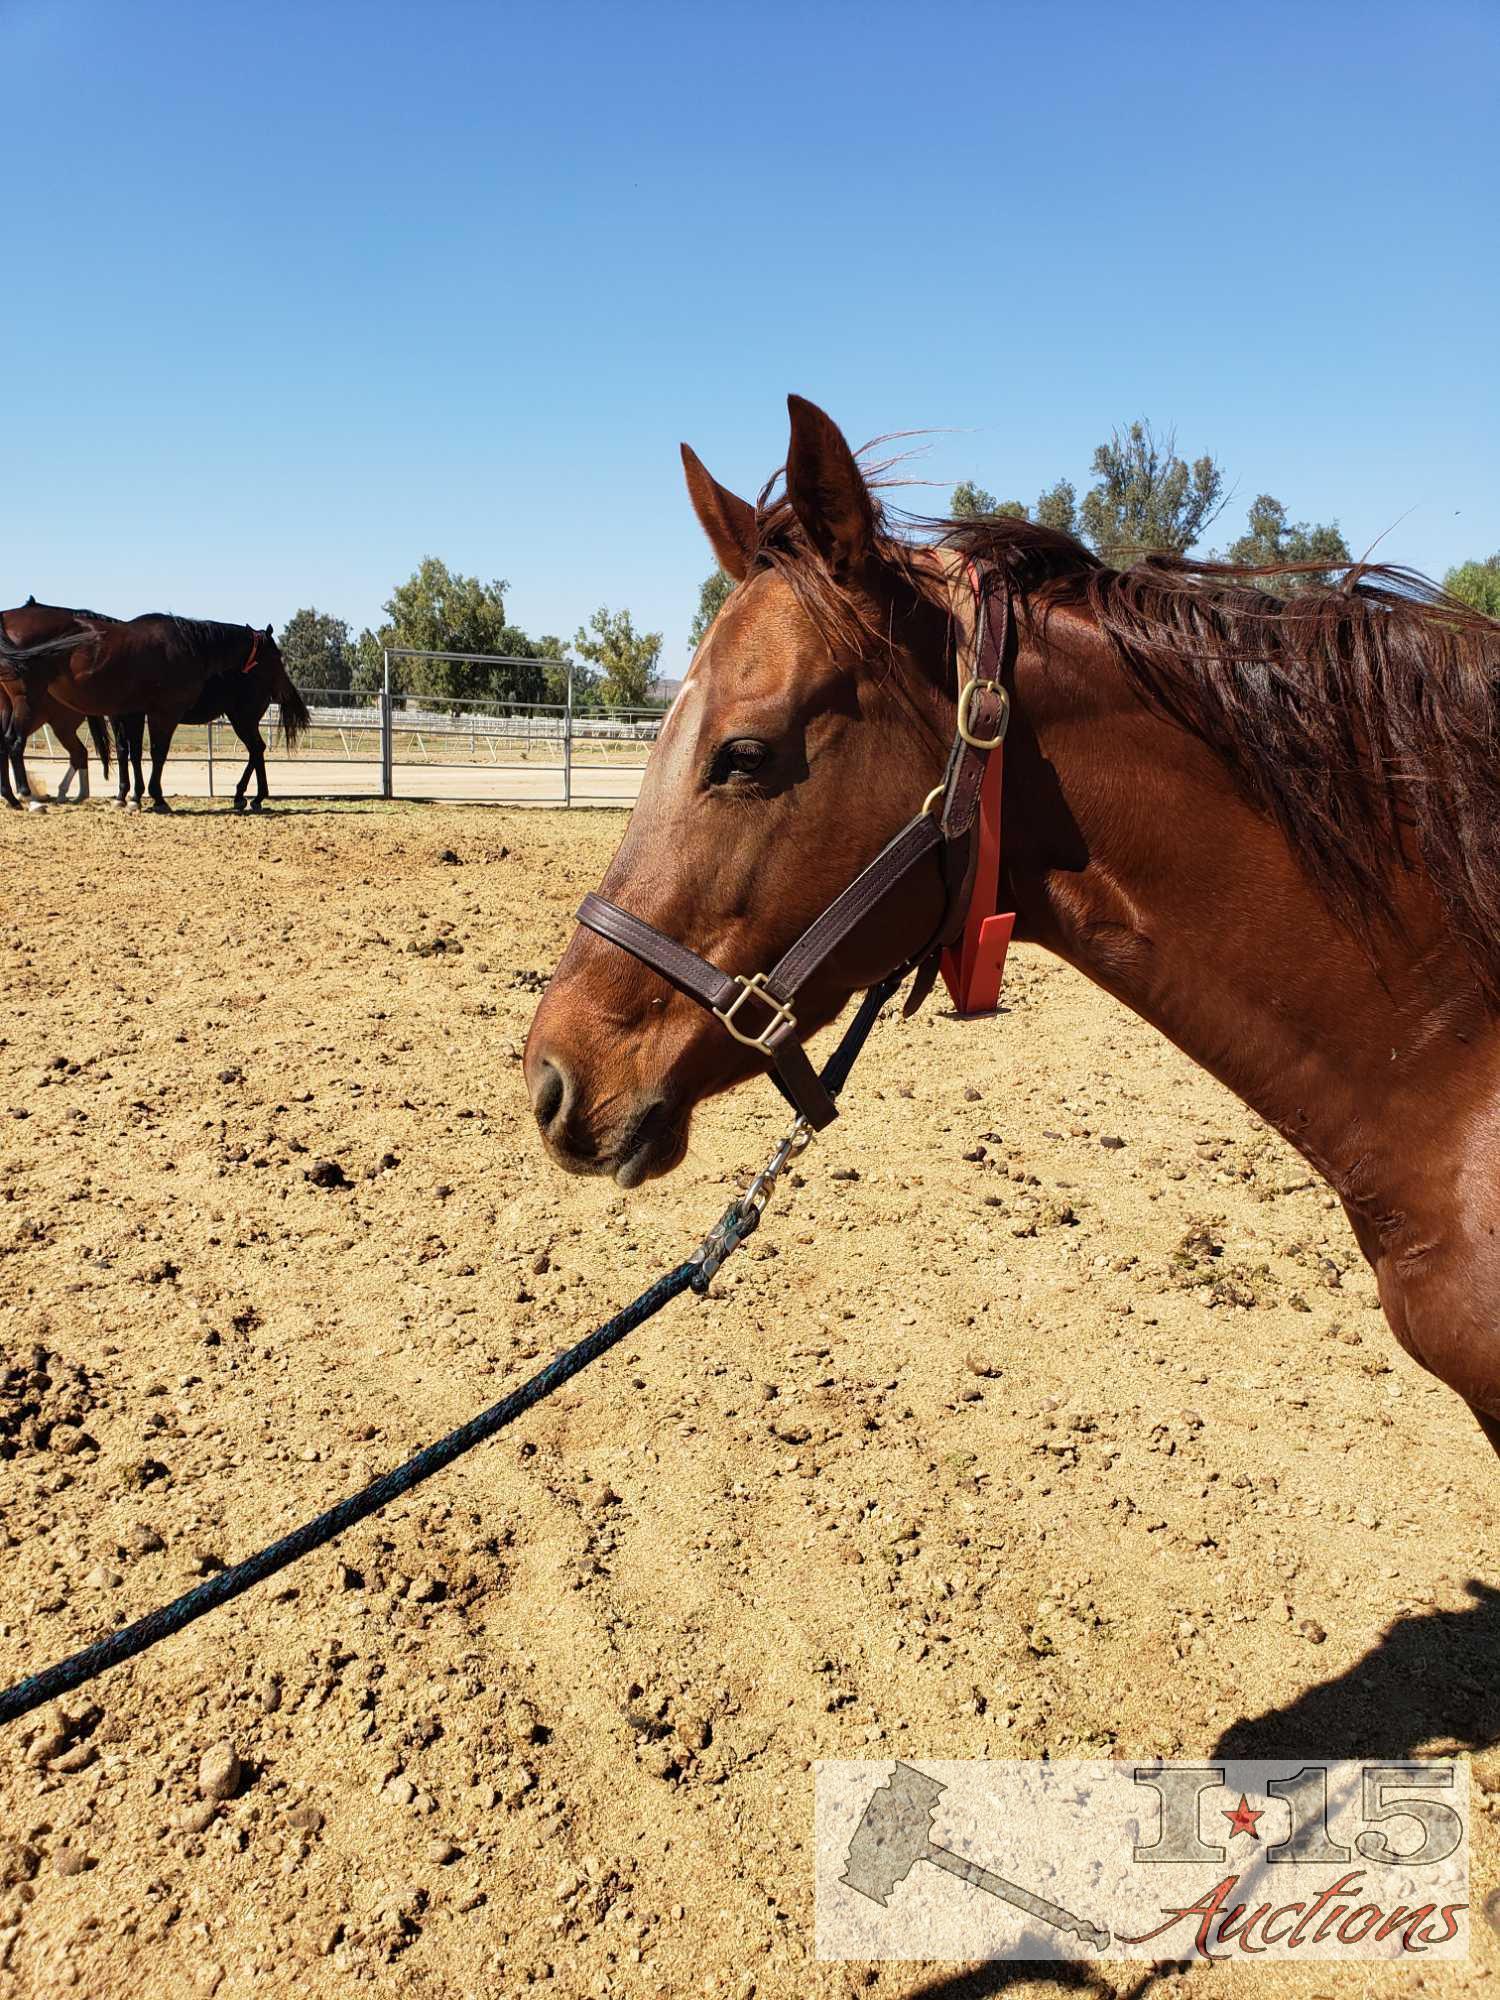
x=1433, y=1680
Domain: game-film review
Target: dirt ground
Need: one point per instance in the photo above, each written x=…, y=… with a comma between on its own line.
x=1053, y=1412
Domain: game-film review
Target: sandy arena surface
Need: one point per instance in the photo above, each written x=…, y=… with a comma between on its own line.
x=1053, y=1412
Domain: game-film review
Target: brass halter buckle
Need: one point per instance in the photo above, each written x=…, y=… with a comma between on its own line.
x=781, y=1014
x=965, y=699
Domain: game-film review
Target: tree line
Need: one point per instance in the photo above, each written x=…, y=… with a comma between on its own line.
x=1145, y=496
x=437, y=610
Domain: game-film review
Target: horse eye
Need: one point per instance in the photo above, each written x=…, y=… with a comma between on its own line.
x=741, y=756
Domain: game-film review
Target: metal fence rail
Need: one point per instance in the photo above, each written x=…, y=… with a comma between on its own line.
x=393, y=745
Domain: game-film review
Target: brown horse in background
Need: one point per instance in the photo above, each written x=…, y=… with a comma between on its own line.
x=1270, y=825
x=27, y=625
x=171, y=670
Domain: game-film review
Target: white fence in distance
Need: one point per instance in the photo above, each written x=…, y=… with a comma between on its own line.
x=396, y=746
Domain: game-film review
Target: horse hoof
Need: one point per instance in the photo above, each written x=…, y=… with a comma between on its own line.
x=35, y=806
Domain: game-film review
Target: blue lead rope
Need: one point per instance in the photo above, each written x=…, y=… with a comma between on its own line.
x=230, y=1583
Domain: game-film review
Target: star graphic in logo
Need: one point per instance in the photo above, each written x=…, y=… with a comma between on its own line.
x=1242, y=1819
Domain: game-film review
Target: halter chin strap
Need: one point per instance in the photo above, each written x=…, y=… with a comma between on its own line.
x=757, y=1008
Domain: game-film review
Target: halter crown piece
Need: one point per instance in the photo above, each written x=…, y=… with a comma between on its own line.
x=960, y=818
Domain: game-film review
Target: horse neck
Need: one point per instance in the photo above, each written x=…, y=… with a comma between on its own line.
x=1130, y=854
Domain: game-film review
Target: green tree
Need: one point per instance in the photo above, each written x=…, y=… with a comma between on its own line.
x=318, y=652
x=1270, y=537
x=971, y=502
x=710, y=602
x=1477, y=583
x=626, y=659
x=1054, y=508
x=1146, y=497
x=367, y=665
x=439, y=611
x=1058, y=508
x=976, y=503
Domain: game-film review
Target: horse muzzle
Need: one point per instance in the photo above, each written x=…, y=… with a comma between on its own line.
x=633, y=1136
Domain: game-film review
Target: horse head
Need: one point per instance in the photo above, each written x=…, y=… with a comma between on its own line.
x=816, y=716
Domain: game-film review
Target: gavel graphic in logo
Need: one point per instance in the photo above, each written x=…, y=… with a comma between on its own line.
x=895, y=1834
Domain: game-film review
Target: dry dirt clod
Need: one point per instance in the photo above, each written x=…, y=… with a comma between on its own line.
x=219, y=1772
x=695, y=1732
x=71, y=1861
x=18, y=1863
x=327, y=1174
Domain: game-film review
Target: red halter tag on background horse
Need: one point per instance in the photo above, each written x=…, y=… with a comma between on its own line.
x=973, y=971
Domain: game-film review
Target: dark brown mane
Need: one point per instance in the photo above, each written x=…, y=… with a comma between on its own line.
x=1362, y=716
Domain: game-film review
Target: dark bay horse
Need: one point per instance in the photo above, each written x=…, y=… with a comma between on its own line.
x=28, y=625
x=1270, y=825
x=162, y=671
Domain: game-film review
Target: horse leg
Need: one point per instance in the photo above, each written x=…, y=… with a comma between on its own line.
x=262, y=783
x=22, y=722
x=136, y=725
x=7, y=719
x=250, y=736
x=161, y=731
x=78, y=761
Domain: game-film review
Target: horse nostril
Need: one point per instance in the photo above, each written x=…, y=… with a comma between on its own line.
x=547, y=1099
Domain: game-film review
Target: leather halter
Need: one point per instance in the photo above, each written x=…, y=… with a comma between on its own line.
x=946, y=823
x=254, y=650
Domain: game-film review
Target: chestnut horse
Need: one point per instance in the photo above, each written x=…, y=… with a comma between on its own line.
x=167, y=670
x=1270, y=825
x=31, y=624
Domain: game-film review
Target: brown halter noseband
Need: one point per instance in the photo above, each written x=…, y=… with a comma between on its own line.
x=946, y=822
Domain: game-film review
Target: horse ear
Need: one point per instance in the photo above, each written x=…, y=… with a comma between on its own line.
x=268, y=628
x=827, y=490
x=728, y=521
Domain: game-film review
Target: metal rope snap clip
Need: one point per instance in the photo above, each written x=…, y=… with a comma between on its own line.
x=742, y=1217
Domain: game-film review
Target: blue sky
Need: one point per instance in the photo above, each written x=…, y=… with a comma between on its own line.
x=297, y=294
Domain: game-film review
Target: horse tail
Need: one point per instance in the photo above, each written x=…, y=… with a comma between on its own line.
x=101, y=742
x=294, y=716
x=17, y=656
